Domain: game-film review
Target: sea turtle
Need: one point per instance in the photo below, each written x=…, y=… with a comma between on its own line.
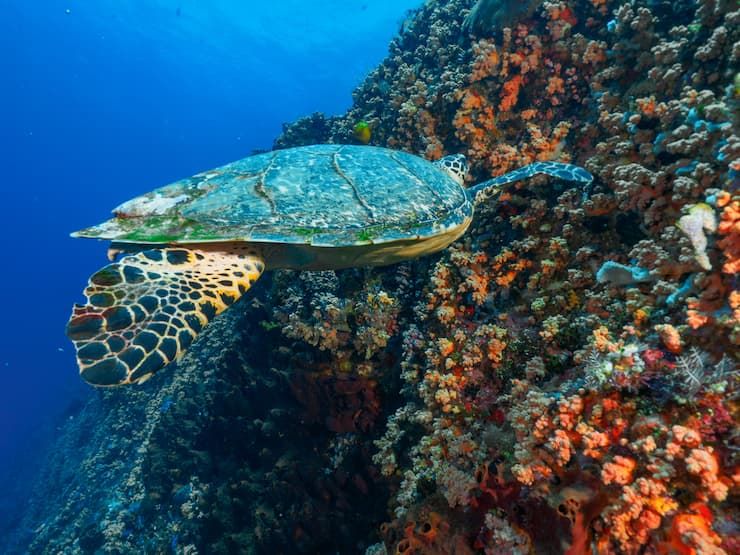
x=194, y=247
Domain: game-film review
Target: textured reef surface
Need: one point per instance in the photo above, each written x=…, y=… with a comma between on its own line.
x=564, y=379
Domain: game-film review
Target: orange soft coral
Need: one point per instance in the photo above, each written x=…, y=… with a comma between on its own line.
x=510, y=93
x=475, y=123
x=619, y=471
x=646, y=105
x=703, y=463
x=729, y=229
x=670, y=336
x=555, y=85
x=486, y=60
x=506, y=267
x=691, y=533
x=641, y=461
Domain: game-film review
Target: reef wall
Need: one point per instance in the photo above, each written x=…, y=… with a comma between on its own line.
x=561, y=380
x=570, y=368
x=239, y=449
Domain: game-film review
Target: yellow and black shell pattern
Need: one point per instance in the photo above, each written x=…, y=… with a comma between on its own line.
x=320, y=195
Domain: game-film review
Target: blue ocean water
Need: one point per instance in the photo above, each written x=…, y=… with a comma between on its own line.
x=104, y=100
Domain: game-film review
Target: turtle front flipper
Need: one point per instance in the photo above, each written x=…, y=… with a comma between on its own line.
x=144, y=311
x=569, y=172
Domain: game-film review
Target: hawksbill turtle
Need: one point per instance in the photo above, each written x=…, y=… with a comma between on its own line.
x=192, y=248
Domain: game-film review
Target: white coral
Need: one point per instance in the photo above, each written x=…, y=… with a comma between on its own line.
x=699, y=219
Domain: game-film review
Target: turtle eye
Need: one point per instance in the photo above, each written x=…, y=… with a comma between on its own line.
x=456, y=166
x=463, y=164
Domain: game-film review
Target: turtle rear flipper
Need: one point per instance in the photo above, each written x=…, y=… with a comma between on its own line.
x=144, y=311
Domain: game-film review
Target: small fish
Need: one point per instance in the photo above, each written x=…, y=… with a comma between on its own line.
x=362, y=131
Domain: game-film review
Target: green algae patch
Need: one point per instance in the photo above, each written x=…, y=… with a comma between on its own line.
x=165, y=229
x=308, y=231
x=200, y=232
x=366, y=235
x=370, y=233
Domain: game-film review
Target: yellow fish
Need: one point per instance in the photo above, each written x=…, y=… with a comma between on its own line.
x=362, y=132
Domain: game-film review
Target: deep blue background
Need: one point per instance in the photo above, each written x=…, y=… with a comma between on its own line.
x=103, y=100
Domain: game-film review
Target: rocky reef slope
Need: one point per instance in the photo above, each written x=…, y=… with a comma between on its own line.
x=561, y=380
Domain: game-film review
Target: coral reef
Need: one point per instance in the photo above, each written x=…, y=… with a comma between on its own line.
x=563, y=379
x=228, y=455
x=572, y=362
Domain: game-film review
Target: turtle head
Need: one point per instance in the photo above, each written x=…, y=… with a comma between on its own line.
x=454, y=165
